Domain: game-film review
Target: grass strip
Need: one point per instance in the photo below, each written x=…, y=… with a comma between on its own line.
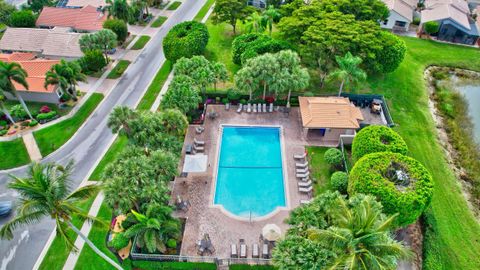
x=58, y=251
x=155, y=87
x=14, y=154
x=174, y=5
x=129, y=40
x=118, y=70
x=142, y=40
x=203, y=11
x=53, y=137
x=159, y=21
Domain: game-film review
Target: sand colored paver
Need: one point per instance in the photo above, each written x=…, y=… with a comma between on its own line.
x=32, y=147
x=198, y=188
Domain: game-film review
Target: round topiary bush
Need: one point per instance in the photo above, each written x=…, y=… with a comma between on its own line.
x=374, y=139
x=399, y=182
x=185, y=40
x=334, y=157
x=339, y=181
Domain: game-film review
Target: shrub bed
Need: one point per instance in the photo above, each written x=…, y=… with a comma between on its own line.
x=374, y=139
x=185, y=40
x=399, y=182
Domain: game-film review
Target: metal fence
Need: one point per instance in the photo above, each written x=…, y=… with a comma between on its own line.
x=364, y=100
x=198, y=259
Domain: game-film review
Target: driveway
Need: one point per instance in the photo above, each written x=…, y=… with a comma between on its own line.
x=88, y=144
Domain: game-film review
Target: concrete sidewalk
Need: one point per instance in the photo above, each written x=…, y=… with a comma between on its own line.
x=32, y=147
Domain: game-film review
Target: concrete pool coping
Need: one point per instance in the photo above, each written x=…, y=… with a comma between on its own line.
x=286, y=191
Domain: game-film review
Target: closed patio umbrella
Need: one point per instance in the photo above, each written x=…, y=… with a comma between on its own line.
x=271, y=232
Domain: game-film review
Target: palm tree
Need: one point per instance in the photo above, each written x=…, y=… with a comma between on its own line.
x=255, y=23
x=13, y=72
x=154, y=228
x=119, y=119
x=348, y=71
x=2, y=101
x=361, y=235
x=245, y=81
x=66, y=75
x=45, y=192
x=269, y=16
x=119, y=9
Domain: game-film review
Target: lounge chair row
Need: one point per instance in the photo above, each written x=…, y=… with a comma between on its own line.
x=255, y=108
x=198, y=146
x=255, y=251
x=303, y=173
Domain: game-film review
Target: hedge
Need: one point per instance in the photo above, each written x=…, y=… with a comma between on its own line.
x=375, y=174
x=374, y=139
x=185, y=40
x=251, y=45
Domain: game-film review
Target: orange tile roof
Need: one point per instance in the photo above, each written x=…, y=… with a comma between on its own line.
x=36, y=70
x=329, y=112
x=16, y=56
x=84, y=19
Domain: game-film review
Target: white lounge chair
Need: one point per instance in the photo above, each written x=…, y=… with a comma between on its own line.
x=305, y=190
x=227, y=106
x=300, y=156
x=198, y=148
x=264, y=106
x=301, y=165
x=255, y=251
x=199, y=130
x=270, y=108
x=305, y=179
x=197, y=142
x=265, y=253
x=254, y=108
x=243, y=250
x=259, y=107
x=249, y=108
x=303, y=175
x=304, y=170
x=305, y=184
x=240, y=106
x=305, y=201
x=233, y=251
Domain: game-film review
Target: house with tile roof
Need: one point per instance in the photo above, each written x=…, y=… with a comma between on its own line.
x=329, y=118
x=54, y=43
x=455, y=20
x=36, y=70
x=401, y=14
x=85, y=19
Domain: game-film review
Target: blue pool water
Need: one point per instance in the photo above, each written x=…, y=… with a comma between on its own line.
x=250, y=177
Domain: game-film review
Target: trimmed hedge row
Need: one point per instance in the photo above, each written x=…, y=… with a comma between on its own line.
x=185, y=40
x=374, y=139
x=372, y=175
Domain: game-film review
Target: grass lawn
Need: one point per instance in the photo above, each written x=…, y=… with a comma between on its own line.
x=449, y=218
x=142, y=40
x=155, y=87
x=159, y=21
x=219, y=46
x=118, y=70
x=53, y=137
x=58, y=252
x=203, y=11
x=174, y=5
x=111, y=155
x=19, y=155
x=320, y=169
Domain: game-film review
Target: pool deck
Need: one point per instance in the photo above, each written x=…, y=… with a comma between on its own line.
x=198, y=188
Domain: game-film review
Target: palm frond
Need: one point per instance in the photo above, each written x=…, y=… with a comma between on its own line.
x=6, y=232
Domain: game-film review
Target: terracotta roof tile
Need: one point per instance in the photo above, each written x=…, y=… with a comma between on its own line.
x=83, y=19
x=329, y=112
x=16, y=56
x=82, y=3
x=36, y=70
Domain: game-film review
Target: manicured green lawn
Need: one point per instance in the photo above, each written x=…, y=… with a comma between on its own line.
x=452, y=239
x=320, y=170
x=111, y=155
x=203, y=11
x=53, y=137
x=159, y=21
x=174, y=5
x=142, y=40
x=219, y=46
x=17, y=156
x=155, y=87
x=58, y=252
x=118, y=70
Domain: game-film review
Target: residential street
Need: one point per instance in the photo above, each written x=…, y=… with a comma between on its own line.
x=88, y=144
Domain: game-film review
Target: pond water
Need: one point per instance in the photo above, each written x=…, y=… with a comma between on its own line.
x=471, y=92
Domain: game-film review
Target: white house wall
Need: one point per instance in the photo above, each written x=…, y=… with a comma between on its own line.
x=394, y=16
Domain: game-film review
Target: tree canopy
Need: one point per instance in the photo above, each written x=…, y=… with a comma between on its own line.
x=185, y=40
x=181, y=95
x=22, y=18
x=231, y=11
x=104, y=40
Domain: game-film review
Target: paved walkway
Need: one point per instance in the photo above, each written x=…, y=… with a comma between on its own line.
x=32, y=147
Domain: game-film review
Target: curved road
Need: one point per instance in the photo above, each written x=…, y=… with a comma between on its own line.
x=91, y=141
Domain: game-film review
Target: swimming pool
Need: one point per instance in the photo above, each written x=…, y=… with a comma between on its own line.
x=250, y=174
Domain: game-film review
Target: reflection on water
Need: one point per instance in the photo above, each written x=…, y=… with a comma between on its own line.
x=471, y=92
